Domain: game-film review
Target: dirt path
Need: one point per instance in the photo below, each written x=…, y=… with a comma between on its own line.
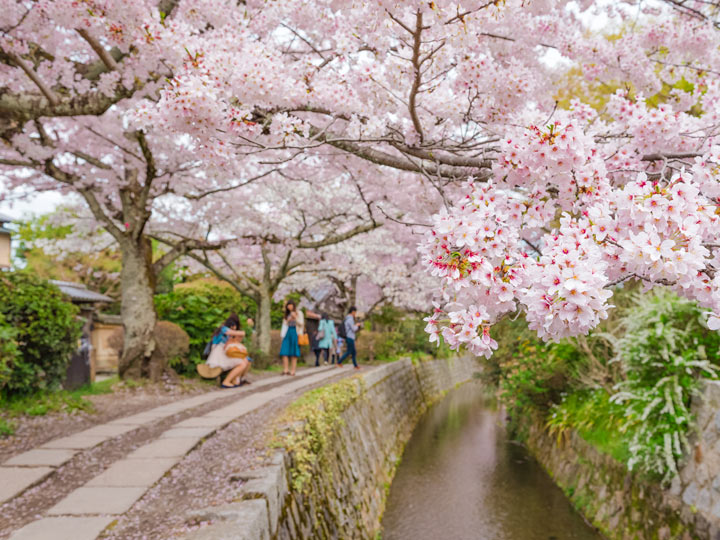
x=85, y=465
x=207, y=476
x=33, y=431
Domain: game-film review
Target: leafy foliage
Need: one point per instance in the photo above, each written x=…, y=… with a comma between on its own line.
x=396, y=333
x=46, y=329
x=198, y=308
x=666, y=349
x=536, y=376
x=626, y=389
x=9, y=350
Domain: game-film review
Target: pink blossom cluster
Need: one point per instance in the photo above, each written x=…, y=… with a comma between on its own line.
x=558, y=157
x=663, y=232
x=568, y=295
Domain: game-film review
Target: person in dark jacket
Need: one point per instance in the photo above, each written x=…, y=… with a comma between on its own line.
x=351, y=327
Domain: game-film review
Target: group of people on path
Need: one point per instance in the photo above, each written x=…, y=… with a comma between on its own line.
x=322, y=340
x=227, y=353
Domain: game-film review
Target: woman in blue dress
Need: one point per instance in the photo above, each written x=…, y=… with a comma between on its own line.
x=289, y=348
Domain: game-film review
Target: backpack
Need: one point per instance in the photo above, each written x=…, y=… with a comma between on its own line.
x=206, y=350
x=341, y=330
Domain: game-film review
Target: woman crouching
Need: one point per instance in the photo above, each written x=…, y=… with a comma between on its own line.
x=229, y=353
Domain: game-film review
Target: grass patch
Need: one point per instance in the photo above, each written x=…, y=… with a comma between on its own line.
x=273, y=368
x=42, y=403
x=596, y=419
x=7, y=428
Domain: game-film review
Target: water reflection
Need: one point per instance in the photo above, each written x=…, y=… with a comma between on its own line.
x=461, y=478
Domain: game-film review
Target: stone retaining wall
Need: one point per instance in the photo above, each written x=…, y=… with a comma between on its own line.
x=625, y=507
x=345, y=497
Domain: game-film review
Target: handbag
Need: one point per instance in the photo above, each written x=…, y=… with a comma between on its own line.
x=303, y=339
x=235, y=351
x=320, y=335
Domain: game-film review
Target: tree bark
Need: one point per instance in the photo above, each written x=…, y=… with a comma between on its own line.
x=138, y=309
x=262, y=318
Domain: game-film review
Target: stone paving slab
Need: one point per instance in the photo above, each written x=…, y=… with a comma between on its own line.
x=42, y=456
x=134, y=472
x=63, y=528
x=247, y=520
x=17, y=479
x=200, y=421
x=79, y=441
x=137, y=420
x=107, y=431
x=182, y=432
x=98, y=500
x=165, y=448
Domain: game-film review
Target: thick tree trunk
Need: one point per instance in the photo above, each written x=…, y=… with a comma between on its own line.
x=263, y=321
x=138, y=310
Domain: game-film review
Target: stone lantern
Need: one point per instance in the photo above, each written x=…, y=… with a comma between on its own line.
x=4, y=241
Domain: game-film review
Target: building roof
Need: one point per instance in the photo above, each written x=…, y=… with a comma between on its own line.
x=79, y=293
x=4, y=218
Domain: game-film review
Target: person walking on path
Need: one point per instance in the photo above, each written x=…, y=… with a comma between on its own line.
x=350, y=328
x=325, y=338
x=289, y=348
x=218, y=358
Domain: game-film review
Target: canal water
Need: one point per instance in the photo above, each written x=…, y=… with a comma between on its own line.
x=461, y=478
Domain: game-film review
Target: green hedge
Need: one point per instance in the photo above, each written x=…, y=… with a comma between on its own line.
x=42, y=326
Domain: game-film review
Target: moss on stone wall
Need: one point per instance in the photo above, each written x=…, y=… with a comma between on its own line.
x=308, y=425
x=620, y=504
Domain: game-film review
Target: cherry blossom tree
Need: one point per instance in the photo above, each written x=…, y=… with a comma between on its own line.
x=377, y=269
x=559, y=204
x=277, y=230
x=71, y=74
x=544, y=206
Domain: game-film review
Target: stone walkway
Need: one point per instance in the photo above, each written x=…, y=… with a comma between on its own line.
x=85, y=512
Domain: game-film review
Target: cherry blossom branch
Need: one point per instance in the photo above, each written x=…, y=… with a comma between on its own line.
x=198, y=196
x=406, y=223
x=35, y=78
x=102, y=53
x=247, y=289
x=417, y=81
x=180, y=249
x=662, y=157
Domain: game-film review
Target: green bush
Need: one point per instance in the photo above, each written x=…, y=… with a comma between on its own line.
x=46, y=331
x=397, y=333
x=665, y=351
x=537, y=375
x=9, y=350
x=198, y=310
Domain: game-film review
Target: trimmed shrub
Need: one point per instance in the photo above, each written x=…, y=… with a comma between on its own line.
x=172, y=347
x=46, y=332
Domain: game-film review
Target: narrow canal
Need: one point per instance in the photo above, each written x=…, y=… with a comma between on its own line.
x=462, y=479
